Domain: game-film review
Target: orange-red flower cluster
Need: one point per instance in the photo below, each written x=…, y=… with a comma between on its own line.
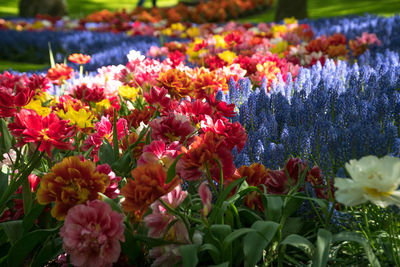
x=147, y=185
x=59, y=73
x=79, y=58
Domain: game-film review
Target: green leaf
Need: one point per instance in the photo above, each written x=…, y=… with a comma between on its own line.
x=5, y=138
x=236, y=234
x=3, y=181
x=189, y=255
x=131, y=247
x=293, y=204
x=224, y=264
x=356, y=237
x=221, y=231
x=30, y=218
x=171, y=173
x=273, y=212
x=114, y=206
x=26, y=196
x=115, y=136
x=13, y=230
x=321, y=256
x=122, y=165
x=50, y=250
x=301, y=243
x=21, y=249
x=255, y=243
x=106, y=153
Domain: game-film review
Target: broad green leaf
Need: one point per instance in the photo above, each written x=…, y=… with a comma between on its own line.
x=171, y=173
x=13, y=230
x=356, y=237
x=3, y=181
x=221, y=231
x=299, y=242
x=5, y=138
x=224, y=264
x=27, y=196
x=24, y=246
x=255, y=243
x=236, y=234
x=273, y=211
x=114, y=206
x=30, y=218
x=106, y=153
x=321, y=256
x=189, y=255
x=51, y=249
x=123, y=164
x=293, y=204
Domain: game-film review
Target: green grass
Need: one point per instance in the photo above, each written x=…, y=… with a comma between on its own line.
x=316, y=9
x=21, y=66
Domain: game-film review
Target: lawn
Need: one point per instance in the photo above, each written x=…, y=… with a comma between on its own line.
x=316, y=9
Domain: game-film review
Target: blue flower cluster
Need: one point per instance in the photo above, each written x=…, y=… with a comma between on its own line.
x=328, y=115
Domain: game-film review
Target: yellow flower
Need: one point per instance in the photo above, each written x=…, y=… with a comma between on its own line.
x=227, y=56
x=219, y=41
x=167, y=31
x=128, y=92
x=177, y=27
x=279, y=48
x=36, y=105
x=82, y=118
x=290, y=20
x=278, y=30
x=102, y=105
x=193, y=32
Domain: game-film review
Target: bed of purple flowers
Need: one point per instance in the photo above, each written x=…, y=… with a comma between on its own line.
x=201, y=145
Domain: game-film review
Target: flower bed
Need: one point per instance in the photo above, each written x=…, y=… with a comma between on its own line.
x=208, y=151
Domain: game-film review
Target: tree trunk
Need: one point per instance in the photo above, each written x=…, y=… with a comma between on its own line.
x=31, y=8
x=291, y=8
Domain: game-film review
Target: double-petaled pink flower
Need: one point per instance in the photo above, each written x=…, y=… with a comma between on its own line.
x=92, y=234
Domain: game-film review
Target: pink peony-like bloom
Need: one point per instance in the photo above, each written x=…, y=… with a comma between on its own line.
x=158, y=151
x=206, y=197
x=92, y=234
x=158, y=220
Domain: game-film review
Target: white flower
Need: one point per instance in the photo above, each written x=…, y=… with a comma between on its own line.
x=373, y=179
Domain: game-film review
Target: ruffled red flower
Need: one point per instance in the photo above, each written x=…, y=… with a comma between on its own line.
x=170, y=128
x=196, y=110
x=48, y=132
x=79, y=58
x=93, y=93
x=15, y=91
x=202, y=153
x=137, y=116
x=234, y=132
x=157, y=98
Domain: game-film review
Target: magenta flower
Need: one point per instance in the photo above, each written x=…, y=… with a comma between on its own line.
x=112, y=191
x=157, y=151
x=92, y=234
x=170, y=128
